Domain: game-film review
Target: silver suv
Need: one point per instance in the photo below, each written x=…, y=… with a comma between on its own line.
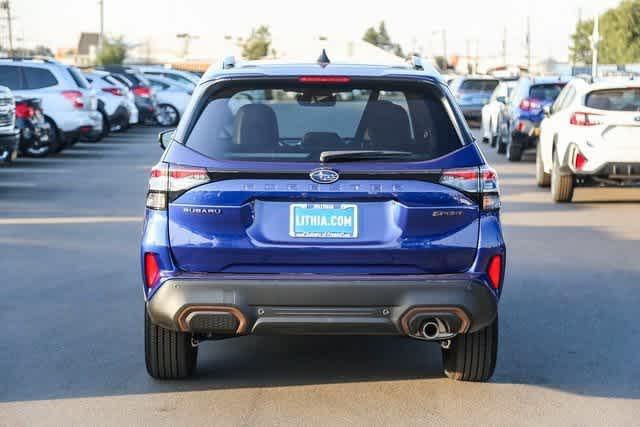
x=68, y=101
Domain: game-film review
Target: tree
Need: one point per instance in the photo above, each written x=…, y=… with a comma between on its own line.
x=113, y=51
x=381, y=38
x=256, y=46
x=619, y=32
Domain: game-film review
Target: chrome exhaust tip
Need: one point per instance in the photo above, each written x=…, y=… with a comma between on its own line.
x=430, y=329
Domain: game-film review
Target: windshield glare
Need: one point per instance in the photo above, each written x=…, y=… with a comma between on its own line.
x=298, y=124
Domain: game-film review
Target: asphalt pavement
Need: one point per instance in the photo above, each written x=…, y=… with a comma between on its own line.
x=71, y=341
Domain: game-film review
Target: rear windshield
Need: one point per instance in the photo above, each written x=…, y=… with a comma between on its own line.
x=624, y=99
x=546, y=92
x=78, y=77
x=298, y=124
x=483, y=85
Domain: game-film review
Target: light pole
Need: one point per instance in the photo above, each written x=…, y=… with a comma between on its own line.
x=101, y=44
x=595, y=41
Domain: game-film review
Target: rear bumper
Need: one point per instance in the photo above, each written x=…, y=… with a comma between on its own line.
x=336, y=305
x=472, y=112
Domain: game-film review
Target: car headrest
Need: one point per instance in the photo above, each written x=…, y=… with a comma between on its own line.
x=256, y=125
x=389, y=126
x=321, y=141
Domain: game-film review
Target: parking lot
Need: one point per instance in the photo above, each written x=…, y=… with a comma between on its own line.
x=72, y=347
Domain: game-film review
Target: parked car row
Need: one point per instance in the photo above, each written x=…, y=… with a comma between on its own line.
x=47, y=106
x=511, y=120
x=583, y=132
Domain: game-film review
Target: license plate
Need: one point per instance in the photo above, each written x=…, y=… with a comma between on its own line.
x=321, y=220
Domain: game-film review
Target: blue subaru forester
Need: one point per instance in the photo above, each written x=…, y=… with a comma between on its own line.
x=321, y=198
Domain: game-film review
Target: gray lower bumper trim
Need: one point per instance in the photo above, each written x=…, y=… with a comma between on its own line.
x=311, y=302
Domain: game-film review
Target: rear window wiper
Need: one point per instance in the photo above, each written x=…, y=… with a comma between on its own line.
x=355, y=155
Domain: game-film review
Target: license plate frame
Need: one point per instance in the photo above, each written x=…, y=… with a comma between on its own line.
x=323, y=221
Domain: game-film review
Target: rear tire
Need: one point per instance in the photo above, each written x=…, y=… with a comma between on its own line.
x=543, y=179
x=561, y=185
x=55, y=138
x=169, y=354
x=502, y=145
x=472, y=357
x=514, y=154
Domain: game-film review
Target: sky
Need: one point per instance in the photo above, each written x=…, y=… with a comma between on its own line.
x=414, y=24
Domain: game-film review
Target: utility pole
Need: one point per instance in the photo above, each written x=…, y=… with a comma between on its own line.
x=101, y=44
x=6, y=5
x=477, y=59
x=528, y=43
x=469, y=66
x=595, y=41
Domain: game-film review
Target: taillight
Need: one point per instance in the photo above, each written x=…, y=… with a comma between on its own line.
x=584, y=119
x=580, y=161
x=24, y=111
x=494, y=271
x=151, y=269
x=142, y=91
x=113, y=91
x=167, y=182
x=521, y=126
x=75, y=97
x=325, y=79
x=482, y=181
x=528, y=104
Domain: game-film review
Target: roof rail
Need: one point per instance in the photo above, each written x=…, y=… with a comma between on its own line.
x=46, y=59
x=228, y=62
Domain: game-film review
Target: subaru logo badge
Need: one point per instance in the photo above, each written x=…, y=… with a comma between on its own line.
x=637, y=118
x=324, y=176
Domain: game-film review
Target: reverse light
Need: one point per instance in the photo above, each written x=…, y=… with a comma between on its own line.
x=580, y=161
x=151, y=269
x=24, y=111
x=482, y=181
x=75, y=97
x=167, y=182
x=113, y=90
x=585, y=119
x=494, y=271
x=325, y=79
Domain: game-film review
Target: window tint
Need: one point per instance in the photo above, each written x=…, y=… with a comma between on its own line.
x=546, y=92
x=11, y=77
x=298, y=123
x=624, y=99
x=479, y=85
x=78, y=77
x=38, y=78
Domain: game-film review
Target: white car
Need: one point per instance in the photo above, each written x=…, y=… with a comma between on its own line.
x=491, y=111
x=184, y=78
x=590, y=137
x=173, y=99
x=113, y=102
x=69, y=103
